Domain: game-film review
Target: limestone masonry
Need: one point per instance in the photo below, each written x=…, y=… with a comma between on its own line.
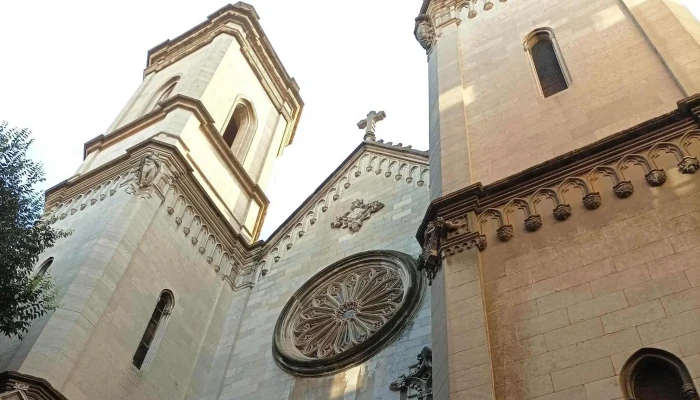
x=546, y=247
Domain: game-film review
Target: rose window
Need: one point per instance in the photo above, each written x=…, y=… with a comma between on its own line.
x=347, y=313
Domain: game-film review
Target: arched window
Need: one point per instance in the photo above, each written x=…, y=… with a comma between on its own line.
x=44, y=267
x=161, y=94
x=547, y=62
x=240, y=129
x=154, y=331
x=654, y=374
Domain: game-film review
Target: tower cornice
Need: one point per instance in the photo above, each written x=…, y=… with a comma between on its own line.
x=196, y=107
x=241, y=22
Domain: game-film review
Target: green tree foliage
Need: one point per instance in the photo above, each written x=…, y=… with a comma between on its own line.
x=24, y=296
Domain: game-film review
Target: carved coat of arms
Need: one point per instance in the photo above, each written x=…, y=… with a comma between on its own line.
x=359, y=211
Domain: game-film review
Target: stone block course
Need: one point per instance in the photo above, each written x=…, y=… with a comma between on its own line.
x=632, y=316
x=597, y=307
x=582, y=373
x=657, y=288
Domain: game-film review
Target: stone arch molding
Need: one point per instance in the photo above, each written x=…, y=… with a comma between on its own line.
x=373, y=164
x=347, y=313
x=634, y=369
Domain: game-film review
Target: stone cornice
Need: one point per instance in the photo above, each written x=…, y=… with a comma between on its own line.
x=255, y=47
x=185, y=199
x=581, y=171
x=383, y=160
x=207, y=127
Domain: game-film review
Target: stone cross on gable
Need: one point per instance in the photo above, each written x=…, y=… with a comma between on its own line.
x=369, y=123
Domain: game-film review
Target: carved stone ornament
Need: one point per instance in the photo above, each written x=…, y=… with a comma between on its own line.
x=418, y=384
x=359, y=212
x=347, y=313
x=148, y=170
x=623, y=189
x=656, y=177
x=689, y=165
x=592, y=201
x=20, y=386
x=533, y=223
x=562, y=212
x=505, y=233
x=430, y=257
x=424, y=32
x=688, y=392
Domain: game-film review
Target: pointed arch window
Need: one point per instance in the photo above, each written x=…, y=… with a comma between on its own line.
x=547, y=62
x=41, y=271
x=240, y=129
x=154, y=331
x=654, y=374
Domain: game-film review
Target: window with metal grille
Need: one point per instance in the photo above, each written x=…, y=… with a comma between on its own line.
x=549, y=70
x=154, y=330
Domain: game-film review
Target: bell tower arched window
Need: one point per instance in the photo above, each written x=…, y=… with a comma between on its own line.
x=240, y=129
x=547, y=62
x=654, y=374
x=154, y=331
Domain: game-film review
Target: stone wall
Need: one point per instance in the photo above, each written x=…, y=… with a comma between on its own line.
x=253, y=374
x=568, y=304
x=482, y=83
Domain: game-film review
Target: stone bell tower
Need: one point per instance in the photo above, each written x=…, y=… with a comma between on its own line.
x=544, y=116
x=164, y=212
x=620, y=62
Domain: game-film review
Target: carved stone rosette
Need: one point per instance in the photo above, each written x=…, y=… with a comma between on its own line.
x=562, y=212
x=656, y=177
x=418, y=383
x=347, y=313
x=505, y=233
x=592, y=201
x=623, y=189
x=689, y=165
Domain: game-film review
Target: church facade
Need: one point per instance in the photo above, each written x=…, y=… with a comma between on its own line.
x=545, y=247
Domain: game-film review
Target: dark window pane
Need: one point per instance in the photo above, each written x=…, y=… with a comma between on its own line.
x=656, y=380
x=140, y=355
x=549, y=71
x=231, y=131
x=151, y=329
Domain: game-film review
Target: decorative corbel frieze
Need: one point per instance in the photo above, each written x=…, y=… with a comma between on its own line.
x=604, y=169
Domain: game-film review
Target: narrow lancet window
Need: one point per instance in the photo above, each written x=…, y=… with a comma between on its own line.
x=44, y=267
x=240, y=129
x=154, y=331
x=549, y=70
